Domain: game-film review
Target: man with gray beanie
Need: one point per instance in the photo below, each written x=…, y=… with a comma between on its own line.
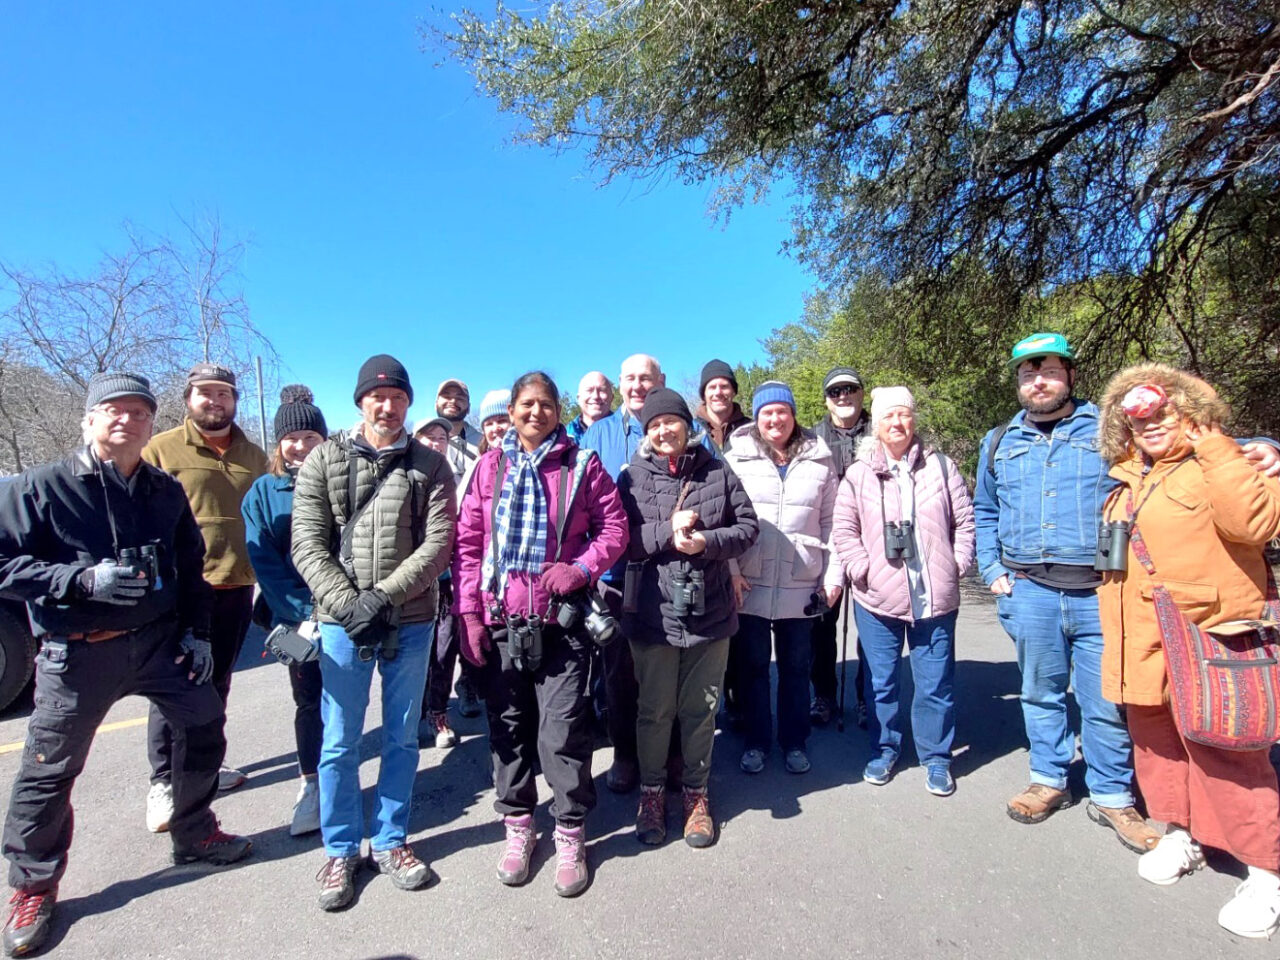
x=105, y=552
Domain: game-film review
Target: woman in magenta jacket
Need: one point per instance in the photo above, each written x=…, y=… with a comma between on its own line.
x=904, y=531
x=513, y=569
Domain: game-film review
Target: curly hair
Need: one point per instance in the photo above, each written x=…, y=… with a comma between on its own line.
x=1194, y=400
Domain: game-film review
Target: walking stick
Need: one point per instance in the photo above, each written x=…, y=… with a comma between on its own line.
x=844, y=657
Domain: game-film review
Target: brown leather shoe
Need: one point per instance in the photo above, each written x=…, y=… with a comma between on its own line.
x=1130, y=827
x=699, y=825
x=1037, y=802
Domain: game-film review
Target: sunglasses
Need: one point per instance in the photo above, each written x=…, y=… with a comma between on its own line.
x=846, y=389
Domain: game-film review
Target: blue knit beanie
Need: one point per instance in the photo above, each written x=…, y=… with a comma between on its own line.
x=495, y=404
x=772, y=391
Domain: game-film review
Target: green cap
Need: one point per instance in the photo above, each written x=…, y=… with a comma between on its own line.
x=1040, y=345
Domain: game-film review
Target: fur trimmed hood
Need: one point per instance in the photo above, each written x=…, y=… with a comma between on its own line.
x=1191, y=397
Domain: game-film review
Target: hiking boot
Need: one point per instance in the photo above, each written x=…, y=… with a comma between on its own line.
x=571, y=860
x=306, y=808
x=159, y=807
x=699, y=825
x=28, y=925
x=338, y=882
x=468, y=702
x=1175, y=855
x=820, y=711
x=445, y=737
x=651, y=818
x=879, y=770
x=218, y=847
x=797, y=762
x=938, y=780
x=752, y=761
x=1253, y=912
x=406, y=871
x=1130, y=827
x=622, y=775
x=1037, y=802
x=513, y=868
x=229, y=778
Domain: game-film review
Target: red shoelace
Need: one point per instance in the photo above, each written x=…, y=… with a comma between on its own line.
x=26, y=907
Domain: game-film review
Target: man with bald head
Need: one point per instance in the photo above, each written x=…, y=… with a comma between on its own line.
x=595, y=401
x=615, y=439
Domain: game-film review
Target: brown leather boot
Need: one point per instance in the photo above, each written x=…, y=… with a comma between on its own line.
x=699, y=825
x=1037, y=802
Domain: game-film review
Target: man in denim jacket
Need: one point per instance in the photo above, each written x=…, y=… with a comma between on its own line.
x=1038, y=499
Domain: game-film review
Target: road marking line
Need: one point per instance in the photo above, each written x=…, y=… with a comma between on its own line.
x=105, y=728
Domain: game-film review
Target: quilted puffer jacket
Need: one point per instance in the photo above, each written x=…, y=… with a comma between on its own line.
x=943, y=529
x=386, y=552
x=792, y=556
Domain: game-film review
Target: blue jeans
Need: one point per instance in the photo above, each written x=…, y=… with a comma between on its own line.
x=793, y=644
x=933, y=668
x=343, y=703
x=1058, y=636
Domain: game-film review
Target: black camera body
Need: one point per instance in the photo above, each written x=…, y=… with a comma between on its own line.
x=688, y=593
x=588, y=609
x=899, y=540
x=1112, y=555
x=817, y=605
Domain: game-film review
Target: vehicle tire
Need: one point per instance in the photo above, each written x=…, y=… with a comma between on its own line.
x=17, y=656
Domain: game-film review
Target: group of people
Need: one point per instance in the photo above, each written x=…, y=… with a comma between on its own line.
x=655, y=558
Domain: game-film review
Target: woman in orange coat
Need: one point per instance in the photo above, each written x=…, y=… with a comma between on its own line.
x=1204, y=515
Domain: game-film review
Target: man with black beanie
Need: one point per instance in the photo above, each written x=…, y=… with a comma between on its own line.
x=718, y=412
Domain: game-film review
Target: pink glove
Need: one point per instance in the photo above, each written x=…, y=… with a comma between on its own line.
x=562, y=579
x=475, y=640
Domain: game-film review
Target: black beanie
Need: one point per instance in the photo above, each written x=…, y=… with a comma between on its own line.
x=382, y=371
x=663, y=400
x=298, y=411
x=714, y=369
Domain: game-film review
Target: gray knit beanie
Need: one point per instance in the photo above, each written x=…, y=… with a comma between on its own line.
x=109, y=386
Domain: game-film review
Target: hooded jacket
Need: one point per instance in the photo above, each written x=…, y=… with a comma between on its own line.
x=944, y=534
x=793, y=555
x=726, y=520
x=595, y=529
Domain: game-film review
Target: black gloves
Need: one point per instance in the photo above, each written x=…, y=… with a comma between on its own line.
x=370, y=613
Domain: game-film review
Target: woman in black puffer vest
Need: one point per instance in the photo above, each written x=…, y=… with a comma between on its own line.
x=689, y=516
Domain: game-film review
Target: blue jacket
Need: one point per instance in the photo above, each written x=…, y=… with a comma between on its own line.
x=268, y=520
x=1045, y=500
x=615, y=439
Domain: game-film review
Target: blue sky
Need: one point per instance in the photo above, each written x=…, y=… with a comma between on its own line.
x=386, y=208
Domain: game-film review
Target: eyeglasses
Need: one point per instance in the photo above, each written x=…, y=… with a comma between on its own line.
x=843, y=390
x=121, y=413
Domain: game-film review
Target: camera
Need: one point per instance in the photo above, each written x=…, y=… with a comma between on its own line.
x=688, y=593
x=899, y=542
x=588, y=609
x=816, y=606
x=1113, y=547
x=524, y=642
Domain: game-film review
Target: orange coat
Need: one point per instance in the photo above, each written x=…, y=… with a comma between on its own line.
x=1204, y=525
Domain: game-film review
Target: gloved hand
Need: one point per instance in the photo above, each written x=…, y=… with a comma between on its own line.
x=109, y=582
x=201, y=654
x=475, y=640
x=370, y=612
x=562, y=579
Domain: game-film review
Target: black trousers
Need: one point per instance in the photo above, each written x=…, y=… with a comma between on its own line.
x=76, y=684
x=546, y=714
x=621, y=691
x=308, y=730
x=232, y=614
x=826, y=653
x=440, y=667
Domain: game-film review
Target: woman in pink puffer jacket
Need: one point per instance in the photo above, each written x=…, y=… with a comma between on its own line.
x=904, y=533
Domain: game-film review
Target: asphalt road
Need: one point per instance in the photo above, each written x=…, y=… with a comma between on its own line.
x=820, y=865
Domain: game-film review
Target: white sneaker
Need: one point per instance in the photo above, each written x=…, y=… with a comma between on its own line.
x=229, y=778
x=1255, y=909
x=159, y=807
x=445, y=737
x=1174, y=855
x=306, y=809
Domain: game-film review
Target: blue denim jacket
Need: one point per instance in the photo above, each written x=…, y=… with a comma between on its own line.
x=1044, y=503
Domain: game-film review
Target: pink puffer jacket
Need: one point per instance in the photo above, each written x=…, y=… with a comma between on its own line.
x=944, y=529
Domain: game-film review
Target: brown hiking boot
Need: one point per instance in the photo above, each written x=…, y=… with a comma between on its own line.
x=1130, y=827
x=651, y=817
x=1035, y=803
x=699, y=825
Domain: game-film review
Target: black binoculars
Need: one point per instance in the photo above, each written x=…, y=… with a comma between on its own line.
x=1112, y=555
x=899, y=541
x=524, y=642
x=145, y=559
x=688, y=593
x=816, y=606
x=387, y=646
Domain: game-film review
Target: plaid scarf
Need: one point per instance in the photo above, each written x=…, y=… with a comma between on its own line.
x=520, y=528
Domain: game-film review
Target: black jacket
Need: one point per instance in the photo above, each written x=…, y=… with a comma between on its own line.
x=843, y=443
x=725, y=518
x=54, y=523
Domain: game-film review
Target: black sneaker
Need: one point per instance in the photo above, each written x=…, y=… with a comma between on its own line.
x=220, y=848
x=468, y=703
x=28, y=925
x=404, y=868
x=337, y=882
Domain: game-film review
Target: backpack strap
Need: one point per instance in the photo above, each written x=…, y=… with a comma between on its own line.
x=996, y=436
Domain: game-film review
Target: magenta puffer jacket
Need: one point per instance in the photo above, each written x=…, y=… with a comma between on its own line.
x=944, y=529
x=596, y=531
